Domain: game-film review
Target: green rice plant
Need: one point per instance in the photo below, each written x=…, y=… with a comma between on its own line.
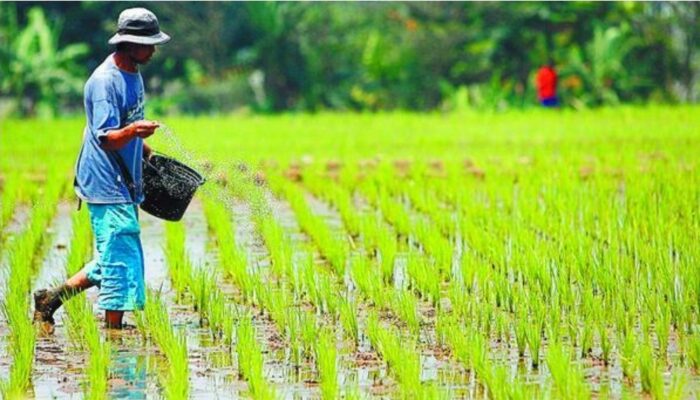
x=586, y=330
x=402, y=356
x=250, y=360
x=369, y=281
x=99, y=360
x=521, y=327
x=406, y=307
x=176, y=258
x=210, y=303
x=424, y=278
x=662, y=327
x=434, y=244
x=567, y=377
x=331, y=246
x=649, y=372
x=154, y=322
x=338, y=197
x=21, y=342
x=81, y=324
x=327, y=361
x=533, y=333
x=679, y=381
x=388, y=247
x=694, y=351
x=276, y=302
x=348, y=318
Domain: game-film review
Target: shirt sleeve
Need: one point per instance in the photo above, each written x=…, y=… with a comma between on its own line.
x=105, y=115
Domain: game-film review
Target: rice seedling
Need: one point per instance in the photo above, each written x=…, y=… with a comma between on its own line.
x=649, y=372
x=402, y=357
x=154, y=322
x=662, y=327
x=326, y=360
x=534, y=339
x=694, y=351
x=250, y=360
x=679, y=381
x=177, y=259
x=348, y=318
x=567, y=377
x=406, y=308
x=424, y=278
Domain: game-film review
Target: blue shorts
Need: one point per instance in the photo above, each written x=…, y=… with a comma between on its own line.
x=117, y=268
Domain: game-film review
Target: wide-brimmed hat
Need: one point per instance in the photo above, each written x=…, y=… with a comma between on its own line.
x=138, y=25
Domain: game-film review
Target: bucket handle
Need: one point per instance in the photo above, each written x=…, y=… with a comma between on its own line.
x=148, y=160
x=154, y=152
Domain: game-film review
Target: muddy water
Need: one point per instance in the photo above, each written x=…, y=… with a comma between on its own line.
x=196, y=231
x=57, y=367
x=18, y=222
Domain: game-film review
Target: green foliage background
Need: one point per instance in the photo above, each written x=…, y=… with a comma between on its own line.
x=269, y=56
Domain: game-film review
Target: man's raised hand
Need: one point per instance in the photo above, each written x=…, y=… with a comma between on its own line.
x=144, y=128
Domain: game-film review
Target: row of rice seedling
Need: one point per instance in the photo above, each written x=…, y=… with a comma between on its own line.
x=154, y=323
x=368, y=227
x=234, y=261
x=299, y=325
x=407, y=225
x=81, y=325
x=366, y=273
x=209, y=301
x=16, y=305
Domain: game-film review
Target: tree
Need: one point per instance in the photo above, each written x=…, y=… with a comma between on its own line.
x=36, y=72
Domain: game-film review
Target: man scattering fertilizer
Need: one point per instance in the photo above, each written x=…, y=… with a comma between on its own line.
x=108, y=174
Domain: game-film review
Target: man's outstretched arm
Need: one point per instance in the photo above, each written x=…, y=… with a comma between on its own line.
x=118, y=138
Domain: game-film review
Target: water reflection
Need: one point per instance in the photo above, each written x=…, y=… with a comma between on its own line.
x=128, y=374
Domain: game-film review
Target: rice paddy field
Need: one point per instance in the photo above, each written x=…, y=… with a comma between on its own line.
x=505, y=256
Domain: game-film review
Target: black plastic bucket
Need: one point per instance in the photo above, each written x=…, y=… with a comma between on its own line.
x=168, y=187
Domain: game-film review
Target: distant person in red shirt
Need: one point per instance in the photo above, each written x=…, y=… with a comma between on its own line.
x=547, y=85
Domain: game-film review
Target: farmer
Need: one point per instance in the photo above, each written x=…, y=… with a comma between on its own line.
x=108, y=174
x=547, y=85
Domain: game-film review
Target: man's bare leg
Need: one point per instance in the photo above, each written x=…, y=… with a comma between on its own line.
x=47, y=301
x=113, y=319
x=79, y=281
